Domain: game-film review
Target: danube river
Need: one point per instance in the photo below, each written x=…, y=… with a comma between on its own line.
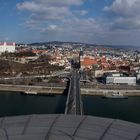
x=16, y=104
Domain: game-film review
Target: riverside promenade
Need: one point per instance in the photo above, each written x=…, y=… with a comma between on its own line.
x=101, y=92
x=32, y=89
x=47, y=90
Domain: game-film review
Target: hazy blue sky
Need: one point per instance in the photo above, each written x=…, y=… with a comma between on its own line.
x=92, y=21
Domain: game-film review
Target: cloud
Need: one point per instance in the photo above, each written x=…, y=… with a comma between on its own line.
x=55, y=18
x=52, y=27
x=124, y=14
x=60, y=2
x=42, y=11
x=74, y=29
x=124, y=8
x=86, y=26
x=70, y=20
x=126, y=23
x=50, y=8
x=80, y=12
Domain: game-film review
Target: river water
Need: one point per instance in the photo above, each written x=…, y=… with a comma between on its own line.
x=16, y=104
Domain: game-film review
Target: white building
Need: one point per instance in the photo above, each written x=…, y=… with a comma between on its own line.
x=7, y=47
x=121, y=80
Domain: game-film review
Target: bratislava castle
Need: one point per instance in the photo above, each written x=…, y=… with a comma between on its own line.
x=7, y=47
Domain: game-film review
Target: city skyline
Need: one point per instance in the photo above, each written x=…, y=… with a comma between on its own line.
x=112, y=22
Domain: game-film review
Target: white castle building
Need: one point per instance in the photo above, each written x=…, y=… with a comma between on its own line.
x=7, y=47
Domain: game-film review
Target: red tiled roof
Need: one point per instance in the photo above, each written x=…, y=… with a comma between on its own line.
x=39, y=51
x=7, y=44
x=87, y=61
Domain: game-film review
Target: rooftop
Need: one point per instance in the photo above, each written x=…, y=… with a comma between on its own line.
x=7, y=44
x=66, y=127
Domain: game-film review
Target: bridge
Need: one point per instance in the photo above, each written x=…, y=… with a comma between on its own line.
x=74, y=103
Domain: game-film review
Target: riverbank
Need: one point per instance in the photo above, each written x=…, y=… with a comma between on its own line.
x=44, y=90
x=32, y=89
x=101, y=92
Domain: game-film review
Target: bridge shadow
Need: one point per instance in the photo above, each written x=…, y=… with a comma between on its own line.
x=63, y=98
x=65, y=92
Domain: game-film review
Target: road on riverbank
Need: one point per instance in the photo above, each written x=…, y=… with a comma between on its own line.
x=60, y=90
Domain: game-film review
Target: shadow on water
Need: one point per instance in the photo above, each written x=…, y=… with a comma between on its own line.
x=63, y=99
x=57, y=102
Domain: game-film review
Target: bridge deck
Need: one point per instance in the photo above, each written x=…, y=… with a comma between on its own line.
x=74, y=104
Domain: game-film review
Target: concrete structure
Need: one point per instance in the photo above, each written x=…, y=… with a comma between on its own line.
x=66, y=127
x=74, y=103
x=121, y=80
x=7, y=47
x=138, y=76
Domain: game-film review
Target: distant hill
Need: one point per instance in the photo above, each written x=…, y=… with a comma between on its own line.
x=58, y=43
x=77, y=44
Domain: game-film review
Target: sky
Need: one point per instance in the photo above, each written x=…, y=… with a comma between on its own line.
x=112, y=22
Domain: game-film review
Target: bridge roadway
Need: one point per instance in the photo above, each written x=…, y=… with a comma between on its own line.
x=74, y=103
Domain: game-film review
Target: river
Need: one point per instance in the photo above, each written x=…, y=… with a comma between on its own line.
x=16, y=104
